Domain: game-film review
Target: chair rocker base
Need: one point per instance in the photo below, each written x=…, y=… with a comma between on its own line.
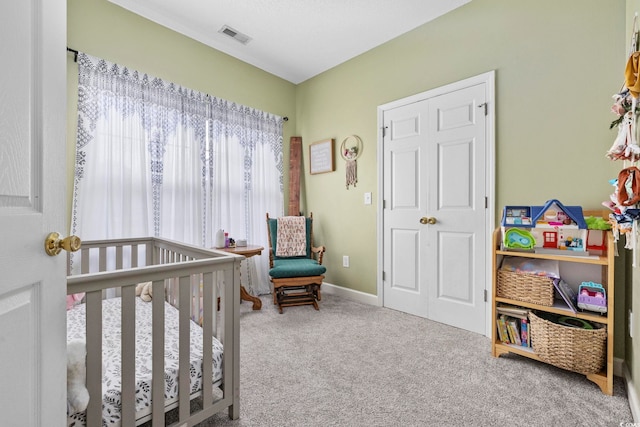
x=289, y=292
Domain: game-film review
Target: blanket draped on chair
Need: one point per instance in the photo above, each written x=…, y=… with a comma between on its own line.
x=291, y=238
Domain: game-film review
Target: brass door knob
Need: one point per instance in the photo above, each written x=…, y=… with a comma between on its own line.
x=429, y=220
x=53, y=244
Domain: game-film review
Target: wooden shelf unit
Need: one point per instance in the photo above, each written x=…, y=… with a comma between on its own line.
x=604, y=378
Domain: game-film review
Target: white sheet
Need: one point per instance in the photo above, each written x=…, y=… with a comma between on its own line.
x=112, y=352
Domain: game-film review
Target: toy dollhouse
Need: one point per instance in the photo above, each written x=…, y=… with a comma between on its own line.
x=549, y=228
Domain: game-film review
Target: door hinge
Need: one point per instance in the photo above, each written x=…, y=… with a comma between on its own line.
x=384, y=131
x=486, y=111
x=384, y=204
x=486, y=202
x=485, y=295
x=383, y=276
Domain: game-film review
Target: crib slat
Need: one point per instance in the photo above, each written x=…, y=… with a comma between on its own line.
x=94, y=357
x=150, y=254
x=84, y=261
x=157, y=352
x=231, y=341
x=102, y=266
x=119, y=257
x=102, y=260
x=216, y=305
x=128, y=343
x=207, y=337
x=184, y=344
x=134, y=256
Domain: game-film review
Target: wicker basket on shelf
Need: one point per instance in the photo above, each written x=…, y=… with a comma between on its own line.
x=575, y=349
x=525, y=287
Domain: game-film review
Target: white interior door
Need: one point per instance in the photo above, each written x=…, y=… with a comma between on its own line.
x=435, y=214
x=32, y=203
x=456, y=263
x=405, y=200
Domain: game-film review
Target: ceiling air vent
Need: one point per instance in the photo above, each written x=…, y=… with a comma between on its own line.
x=236, y=35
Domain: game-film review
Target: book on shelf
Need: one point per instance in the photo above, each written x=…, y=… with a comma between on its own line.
x=513, y=311
x=524, y=332
x=567, y=293
x=512, y=340
x=514, y=330
x=503, y=333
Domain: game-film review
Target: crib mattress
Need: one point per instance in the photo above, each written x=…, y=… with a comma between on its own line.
x=111, y=380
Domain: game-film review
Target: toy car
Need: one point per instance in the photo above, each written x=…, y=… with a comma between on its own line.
x=592, y=297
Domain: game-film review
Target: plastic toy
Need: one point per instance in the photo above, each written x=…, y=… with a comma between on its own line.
x=551, y=227
x=516, y=238
x=517, y=215
x=574, y=244
x=592, y=297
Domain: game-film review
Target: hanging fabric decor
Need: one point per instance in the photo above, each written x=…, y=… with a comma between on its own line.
x=625, y=103
x=625, y=146
x=350, y=150
x=625, y=199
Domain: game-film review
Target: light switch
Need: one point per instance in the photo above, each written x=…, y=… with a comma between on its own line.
x=367, y=198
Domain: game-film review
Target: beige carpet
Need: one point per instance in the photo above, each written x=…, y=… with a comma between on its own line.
x=352, y=364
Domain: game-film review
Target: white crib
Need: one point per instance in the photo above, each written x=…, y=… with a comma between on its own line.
x=190, y=279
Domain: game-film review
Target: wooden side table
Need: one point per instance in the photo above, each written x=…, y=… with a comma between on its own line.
x=246, y=251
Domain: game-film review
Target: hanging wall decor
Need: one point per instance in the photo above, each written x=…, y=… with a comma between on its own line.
x=624, y=202
x=321, y=156
x=350, y=150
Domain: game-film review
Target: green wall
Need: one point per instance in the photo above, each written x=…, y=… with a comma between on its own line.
x=557, y=65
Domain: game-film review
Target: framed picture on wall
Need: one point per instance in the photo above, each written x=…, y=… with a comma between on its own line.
x=321, y=156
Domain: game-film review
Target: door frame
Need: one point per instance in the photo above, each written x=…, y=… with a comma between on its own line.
x=488, y=79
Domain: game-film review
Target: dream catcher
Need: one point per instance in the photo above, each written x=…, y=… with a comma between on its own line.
x=350, y=150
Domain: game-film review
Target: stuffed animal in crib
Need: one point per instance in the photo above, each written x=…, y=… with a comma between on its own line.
x=77, y=393
x=144, y=291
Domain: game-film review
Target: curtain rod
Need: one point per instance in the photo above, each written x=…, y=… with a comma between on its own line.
x=75, y=59
x=75, y=54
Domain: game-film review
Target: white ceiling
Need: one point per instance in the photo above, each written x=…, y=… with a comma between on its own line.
x=293, y=39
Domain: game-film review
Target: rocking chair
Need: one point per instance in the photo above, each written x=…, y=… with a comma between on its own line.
x=296, y=269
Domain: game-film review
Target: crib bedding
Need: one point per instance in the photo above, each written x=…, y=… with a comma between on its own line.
x=111, y=378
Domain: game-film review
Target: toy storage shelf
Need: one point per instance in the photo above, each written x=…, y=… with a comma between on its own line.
x=601, y=271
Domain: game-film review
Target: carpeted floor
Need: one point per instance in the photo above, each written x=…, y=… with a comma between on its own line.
x=353, y=364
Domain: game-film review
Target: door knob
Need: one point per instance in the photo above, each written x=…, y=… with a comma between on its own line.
x=429, y=220
x=53, y=244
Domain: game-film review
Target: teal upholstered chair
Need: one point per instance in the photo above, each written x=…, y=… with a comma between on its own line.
x=296, y=279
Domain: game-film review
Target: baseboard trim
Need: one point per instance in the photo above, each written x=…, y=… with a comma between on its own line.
x=351, y=294
x=634, y=403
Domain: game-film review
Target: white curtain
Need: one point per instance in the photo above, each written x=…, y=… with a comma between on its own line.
x=154, y=158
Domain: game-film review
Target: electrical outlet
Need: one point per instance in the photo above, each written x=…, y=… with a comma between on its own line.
x=345, y=261
x=630, y=324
